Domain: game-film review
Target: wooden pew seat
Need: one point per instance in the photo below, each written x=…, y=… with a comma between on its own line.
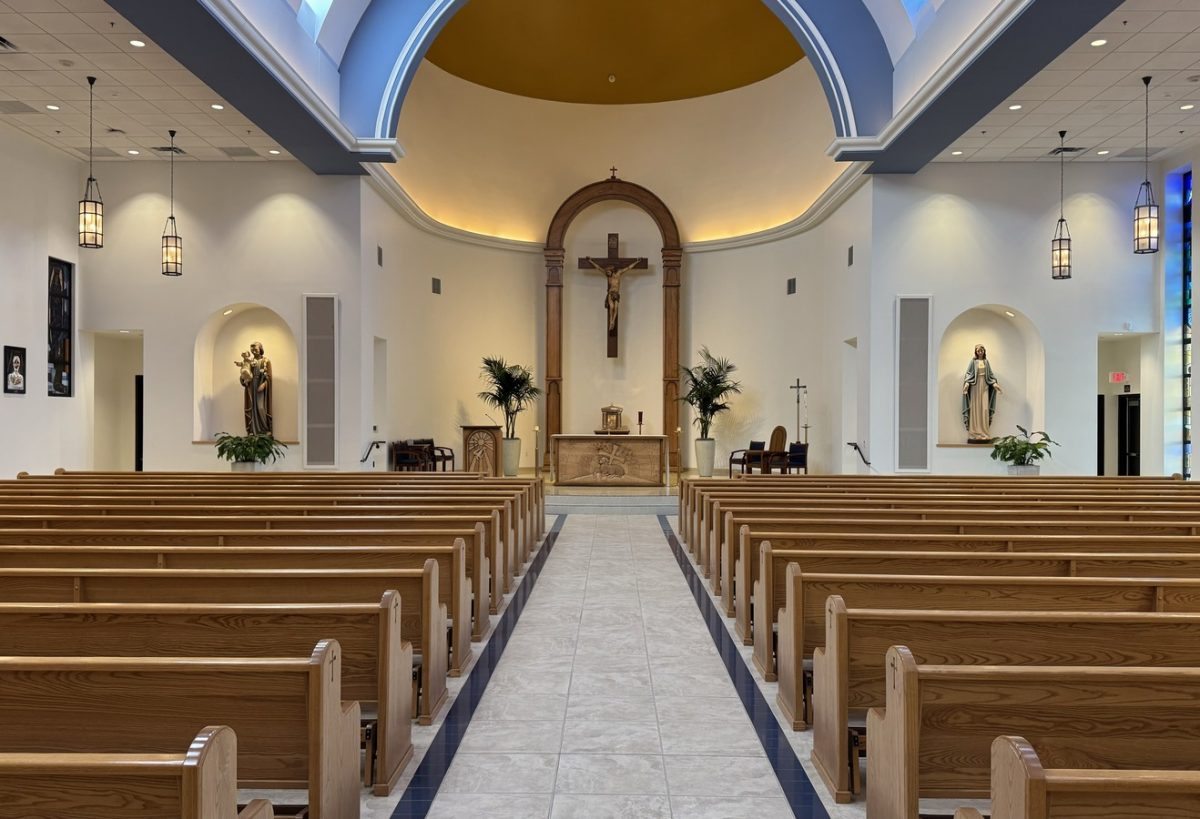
x=293, y=730
x=198, y=784
x=933, y=740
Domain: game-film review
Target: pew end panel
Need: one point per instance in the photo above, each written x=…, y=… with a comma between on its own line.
x=1018, y=780
x=460, y=611
x=792, y=696
x=210, y=774
x=435, y=661
x=831, y=739
x=763, y=624
x=395, y=706
x=334, y=746
x=893, y=781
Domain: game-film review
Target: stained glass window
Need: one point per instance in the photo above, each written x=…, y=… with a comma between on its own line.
x=1187, y=325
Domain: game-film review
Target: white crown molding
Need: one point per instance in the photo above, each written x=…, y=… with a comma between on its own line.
x=386, y=186
x=970, y=50
x=841, y=189
x=230, y=16
x=832, y=198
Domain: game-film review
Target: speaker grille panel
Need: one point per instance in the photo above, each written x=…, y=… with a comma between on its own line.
x=912, y=383
x=320, y=381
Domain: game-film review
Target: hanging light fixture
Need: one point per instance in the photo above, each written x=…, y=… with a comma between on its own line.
x=172, y=242
x=1145, y=210
x=91, y=206
x=1060, y=245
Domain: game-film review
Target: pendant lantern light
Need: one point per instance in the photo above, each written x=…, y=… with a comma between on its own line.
x=1060, y=245
x=1145, y=210
x=91, y=206
x=172, y=242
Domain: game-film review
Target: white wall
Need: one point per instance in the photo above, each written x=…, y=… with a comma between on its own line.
x=38, y=220
x=976, y=234
x=118, y=361
x=491, y=303
x=261, y=233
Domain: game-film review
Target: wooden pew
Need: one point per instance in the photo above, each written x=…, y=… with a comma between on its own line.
x=1023, y=789
x=849, y=671
x=422, y=622
x=721, y=541
x=293, y=730
x=377, y=665
x=198, y=784
x=416, y=533
x=759, y=551
x=802, y=619
x=934, y=738
x=454, y=589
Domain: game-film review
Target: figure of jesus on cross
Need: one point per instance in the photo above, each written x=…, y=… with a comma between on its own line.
x=613, y=267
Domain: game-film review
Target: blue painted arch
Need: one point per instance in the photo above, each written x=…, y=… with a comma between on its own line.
x=840, y=38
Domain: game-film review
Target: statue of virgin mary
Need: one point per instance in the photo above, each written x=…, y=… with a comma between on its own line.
x=980, y=389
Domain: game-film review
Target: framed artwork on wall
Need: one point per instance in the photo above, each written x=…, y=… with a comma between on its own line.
x=14, y=370
x=60, y=325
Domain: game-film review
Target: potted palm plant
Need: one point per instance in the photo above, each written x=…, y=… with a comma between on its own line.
x=1022, y=452
x=246, y=453
x=707, y=386
x=510, y=390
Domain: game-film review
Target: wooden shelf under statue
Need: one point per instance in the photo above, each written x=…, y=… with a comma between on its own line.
x=610, y=421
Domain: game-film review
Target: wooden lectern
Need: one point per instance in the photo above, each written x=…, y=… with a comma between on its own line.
x=481, y=450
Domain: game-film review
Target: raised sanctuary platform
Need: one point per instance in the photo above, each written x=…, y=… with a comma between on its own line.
x=607, y=460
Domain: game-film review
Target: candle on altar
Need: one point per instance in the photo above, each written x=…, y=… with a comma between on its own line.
x=639, y=416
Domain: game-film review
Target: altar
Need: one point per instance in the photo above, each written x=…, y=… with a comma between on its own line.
x=607, y=460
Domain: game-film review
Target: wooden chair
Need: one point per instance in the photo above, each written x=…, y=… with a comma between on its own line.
x=438, y=455
x=408, y=458
x=746, y=457
x=776, y=455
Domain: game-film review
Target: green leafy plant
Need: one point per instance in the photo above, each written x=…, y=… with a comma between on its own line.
x=254, y=448
x=1023, y=449
x=511, y=390
x=708, y=385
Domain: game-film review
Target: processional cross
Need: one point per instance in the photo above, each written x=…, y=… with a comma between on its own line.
x=613, y=267
x=801, y=393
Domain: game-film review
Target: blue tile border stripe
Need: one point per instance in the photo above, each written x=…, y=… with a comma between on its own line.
x=419, y=795
x=797, y=787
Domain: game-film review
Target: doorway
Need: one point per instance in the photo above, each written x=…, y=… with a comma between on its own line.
x=1129, y=435
x=849, y=430
x=117, y=401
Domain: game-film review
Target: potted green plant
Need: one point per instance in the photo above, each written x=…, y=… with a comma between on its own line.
x=706, y=386
x=247, y=452
x=1022, y=452
x=510, y=390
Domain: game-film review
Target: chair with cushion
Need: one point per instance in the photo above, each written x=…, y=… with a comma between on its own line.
x=794, y=460
x=408, y=458
x=775, y=454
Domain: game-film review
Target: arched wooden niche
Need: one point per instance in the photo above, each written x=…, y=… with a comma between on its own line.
x=672, y=257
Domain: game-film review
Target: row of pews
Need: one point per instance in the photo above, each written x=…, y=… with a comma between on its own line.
x=168, y=638
x=1032, y=641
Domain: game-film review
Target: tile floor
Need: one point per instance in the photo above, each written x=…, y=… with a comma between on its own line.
x=611, y=700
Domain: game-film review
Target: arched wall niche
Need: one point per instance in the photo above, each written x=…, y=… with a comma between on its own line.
x=1018, y=357
x=218, y=394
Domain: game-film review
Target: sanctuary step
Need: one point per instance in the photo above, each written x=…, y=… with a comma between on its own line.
x=611, y=505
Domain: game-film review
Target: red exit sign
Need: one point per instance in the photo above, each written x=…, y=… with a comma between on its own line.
x=1118, y=378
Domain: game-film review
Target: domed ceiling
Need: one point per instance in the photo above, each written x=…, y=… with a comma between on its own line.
x=614, y=51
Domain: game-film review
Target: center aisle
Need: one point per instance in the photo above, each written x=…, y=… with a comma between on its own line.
x=610, y=698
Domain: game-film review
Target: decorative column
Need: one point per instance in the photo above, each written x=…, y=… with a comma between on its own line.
x=554, y=284
x=672, y=260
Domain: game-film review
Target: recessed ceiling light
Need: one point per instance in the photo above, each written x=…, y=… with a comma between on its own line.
x=273, y=152
x=956, y=153
x=1098, y=43
x=1016, y=107
x=51, y=107
x=216, y=106
x=612, y=77
x=1118, y=334
x=1102, y=153
x=126, y=332
x=1188, y=107
x=227, y=312
x=132, y=152
x=1010, y=314
x=137, y=44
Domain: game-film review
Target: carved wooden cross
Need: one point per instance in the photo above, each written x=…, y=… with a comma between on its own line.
x=613, y=267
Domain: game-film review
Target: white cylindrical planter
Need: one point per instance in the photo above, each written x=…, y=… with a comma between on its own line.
x=244, y=466
x=512, y=456
x=1024, y=470
x=706, y=453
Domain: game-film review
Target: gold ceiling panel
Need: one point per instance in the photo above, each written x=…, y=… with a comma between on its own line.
x=614, y=51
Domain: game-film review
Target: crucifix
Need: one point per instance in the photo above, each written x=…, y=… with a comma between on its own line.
x=613, y=267
x=801, y=391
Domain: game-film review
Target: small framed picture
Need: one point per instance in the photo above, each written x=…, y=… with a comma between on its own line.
x=14, y=370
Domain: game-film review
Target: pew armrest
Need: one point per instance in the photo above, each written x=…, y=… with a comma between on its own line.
x=967, y=813
x=257, y=809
